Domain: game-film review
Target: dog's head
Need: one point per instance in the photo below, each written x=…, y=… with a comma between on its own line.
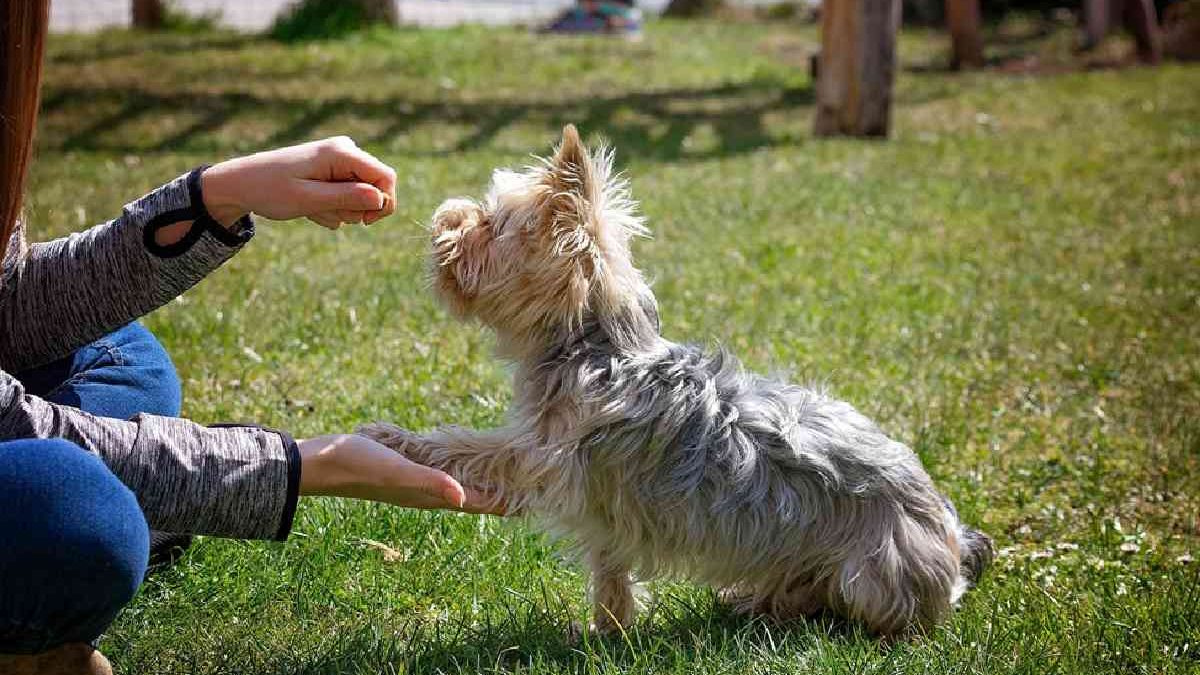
x=975, y=549
x=546, y=250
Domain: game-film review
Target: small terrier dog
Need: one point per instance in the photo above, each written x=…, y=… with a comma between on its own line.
x=658, y=459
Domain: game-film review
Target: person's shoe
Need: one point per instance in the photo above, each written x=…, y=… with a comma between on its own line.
x=76, y=658
x=166, y=548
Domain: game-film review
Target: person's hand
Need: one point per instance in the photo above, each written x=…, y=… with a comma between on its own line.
x=349, y=465
x=329, y=182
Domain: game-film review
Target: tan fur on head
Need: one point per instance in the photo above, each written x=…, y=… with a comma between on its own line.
x=661, y=459
x=547, y=248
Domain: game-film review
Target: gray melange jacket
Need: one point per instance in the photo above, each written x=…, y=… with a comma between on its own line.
x=58, y=296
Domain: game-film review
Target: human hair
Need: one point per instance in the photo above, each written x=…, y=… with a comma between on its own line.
x=23, y=25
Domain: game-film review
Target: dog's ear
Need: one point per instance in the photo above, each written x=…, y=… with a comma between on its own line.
x=588, y=222
x=571, y=161
x=573, y=176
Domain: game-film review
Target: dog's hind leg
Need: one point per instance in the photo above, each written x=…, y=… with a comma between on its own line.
x=789, y=597
x=613, y=603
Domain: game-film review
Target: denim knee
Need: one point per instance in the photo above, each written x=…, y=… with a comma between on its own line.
x=156, y=381
x=75, y=545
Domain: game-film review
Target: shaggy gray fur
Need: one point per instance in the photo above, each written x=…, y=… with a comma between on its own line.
x=659, y=459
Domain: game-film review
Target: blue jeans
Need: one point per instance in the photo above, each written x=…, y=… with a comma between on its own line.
x=73, y=541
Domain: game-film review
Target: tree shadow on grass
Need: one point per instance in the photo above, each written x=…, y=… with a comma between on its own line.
x=1030, y=48
x=652, y=124
x=676, y=632
x=94, y=51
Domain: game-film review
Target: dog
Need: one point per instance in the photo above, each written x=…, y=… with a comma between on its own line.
x=659, y=459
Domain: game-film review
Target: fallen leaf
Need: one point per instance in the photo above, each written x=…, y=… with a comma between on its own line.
x=389, y=554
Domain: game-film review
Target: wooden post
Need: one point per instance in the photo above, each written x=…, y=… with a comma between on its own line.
x=148, y=14
x=1139, y=18
x=1181, y=32
x=686, y=9
x=1097, y=15
x=381, y=10
x=1142, y=21
x=963, y=18
x=858, y=64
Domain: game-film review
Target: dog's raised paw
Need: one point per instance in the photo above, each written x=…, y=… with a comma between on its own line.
x=395, y=437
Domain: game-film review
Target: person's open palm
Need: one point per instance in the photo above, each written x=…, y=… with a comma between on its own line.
x=349, y=465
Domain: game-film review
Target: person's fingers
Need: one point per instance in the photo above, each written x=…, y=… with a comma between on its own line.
x=438, y=485
x=442, y=485
x=352, y=216
x=326, y=219
x=335, y=219
x=482, y=502
x=354, y=163
x=319, y=196
x=445, y=492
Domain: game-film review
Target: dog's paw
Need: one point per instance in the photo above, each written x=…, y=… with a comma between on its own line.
x=605, y=628
x=606, y=623
x=740, y=600
x=578, y=634
x=397, y=438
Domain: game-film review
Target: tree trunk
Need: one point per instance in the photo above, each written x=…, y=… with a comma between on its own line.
x=1142, y=21
x=148, y=14
x=686, y=9
x=1139, y=18
x=381, y=10
x=857, y=67
x=1181, y=31
x=963, y=19
x=1097, y=16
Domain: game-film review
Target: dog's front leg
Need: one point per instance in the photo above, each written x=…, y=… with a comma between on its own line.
x=486, y=460
x=613, y=603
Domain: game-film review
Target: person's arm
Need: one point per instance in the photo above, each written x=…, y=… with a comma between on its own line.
x=58, y=296
x=235, y=481
x=232, y=481
x=238, y=481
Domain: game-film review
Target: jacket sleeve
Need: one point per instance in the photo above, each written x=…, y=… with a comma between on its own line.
x=58, y=296
x=237, y=481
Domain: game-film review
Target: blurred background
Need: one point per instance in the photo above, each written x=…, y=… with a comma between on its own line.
x=1095, y=17
x=1006, y=276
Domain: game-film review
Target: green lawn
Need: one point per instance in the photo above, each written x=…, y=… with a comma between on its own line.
x=1011, y=285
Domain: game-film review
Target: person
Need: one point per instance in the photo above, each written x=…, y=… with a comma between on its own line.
x=93, y=453
x=606, y=17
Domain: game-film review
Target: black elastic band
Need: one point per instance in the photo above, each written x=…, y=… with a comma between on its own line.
x=205, y=219
x=293, y=473
x=293, y=490
x=202, y=221
x=170, y=218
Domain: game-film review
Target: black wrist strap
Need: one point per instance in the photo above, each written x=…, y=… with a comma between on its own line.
x=202, y=221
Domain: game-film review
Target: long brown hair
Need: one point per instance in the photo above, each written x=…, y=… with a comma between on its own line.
x=23, y=25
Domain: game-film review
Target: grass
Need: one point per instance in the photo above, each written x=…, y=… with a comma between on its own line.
x=1011, y=285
